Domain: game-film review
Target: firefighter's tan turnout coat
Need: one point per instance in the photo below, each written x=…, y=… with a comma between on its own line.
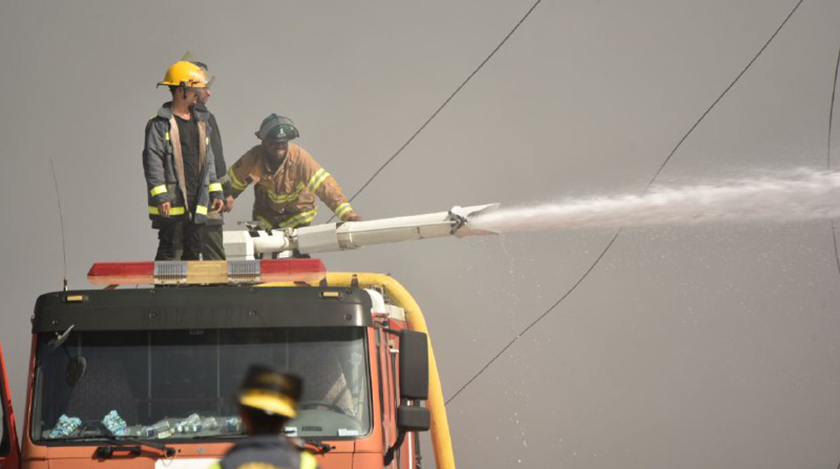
x=286, y=198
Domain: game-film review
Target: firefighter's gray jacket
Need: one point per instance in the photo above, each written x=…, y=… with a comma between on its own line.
x=266, y=451
x=164, y=167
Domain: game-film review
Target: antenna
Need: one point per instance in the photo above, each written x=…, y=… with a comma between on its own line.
x=61, y=218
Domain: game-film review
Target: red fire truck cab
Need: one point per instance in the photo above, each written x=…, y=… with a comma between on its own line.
x=147, y=377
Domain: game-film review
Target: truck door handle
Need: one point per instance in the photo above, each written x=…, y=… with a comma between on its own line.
x=107, y=452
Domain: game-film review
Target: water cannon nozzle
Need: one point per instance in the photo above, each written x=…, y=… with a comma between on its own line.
x=460, y=218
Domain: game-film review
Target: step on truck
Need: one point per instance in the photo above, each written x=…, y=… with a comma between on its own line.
x=147, y=377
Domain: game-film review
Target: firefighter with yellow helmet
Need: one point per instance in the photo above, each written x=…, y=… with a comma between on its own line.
x=267, y=400
x=286, y=179
x=178, y=162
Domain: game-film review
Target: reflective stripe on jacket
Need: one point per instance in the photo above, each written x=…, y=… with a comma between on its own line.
x=163, y=165
x=286, y=198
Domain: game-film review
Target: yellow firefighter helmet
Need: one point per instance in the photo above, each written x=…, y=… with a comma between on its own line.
x=185, y=74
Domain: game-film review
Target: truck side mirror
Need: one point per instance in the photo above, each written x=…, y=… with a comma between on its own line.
x=414, y=386
x=413, y=419
x=414, y=365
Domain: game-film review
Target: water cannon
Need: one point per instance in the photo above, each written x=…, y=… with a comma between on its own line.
x=242, y=248
x=332, y=237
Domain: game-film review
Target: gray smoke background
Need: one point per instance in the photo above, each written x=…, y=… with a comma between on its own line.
x=691, y=346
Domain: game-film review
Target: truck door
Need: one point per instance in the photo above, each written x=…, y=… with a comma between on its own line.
x=9, y=451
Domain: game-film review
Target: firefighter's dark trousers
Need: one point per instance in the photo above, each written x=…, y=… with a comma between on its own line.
x=213, y=248
x=176, y=235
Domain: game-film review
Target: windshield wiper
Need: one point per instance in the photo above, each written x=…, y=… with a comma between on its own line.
x=134, y=447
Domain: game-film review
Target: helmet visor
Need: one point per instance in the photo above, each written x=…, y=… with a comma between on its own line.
x=191, y=58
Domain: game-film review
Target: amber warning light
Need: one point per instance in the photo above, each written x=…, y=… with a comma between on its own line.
x=207, y=272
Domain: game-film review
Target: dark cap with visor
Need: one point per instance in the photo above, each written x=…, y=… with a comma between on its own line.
x=270, y=391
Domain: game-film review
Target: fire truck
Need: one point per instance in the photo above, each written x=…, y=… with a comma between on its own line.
x=130, y=377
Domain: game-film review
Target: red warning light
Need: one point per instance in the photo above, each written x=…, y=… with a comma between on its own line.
x=121, y=273
x=292, y=270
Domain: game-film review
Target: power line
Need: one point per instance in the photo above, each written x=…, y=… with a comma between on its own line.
x=612, y=241
x=540, y=318
x=445, y=103
x=828, y=152
x=709, y=109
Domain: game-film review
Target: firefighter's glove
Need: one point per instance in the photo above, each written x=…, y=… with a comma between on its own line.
x=354, y=217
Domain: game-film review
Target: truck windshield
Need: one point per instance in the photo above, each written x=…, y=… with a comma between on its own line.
x=182, y=384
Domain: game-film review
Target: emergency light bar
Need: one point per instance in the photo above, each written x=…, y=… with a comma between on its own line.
x=207, y=272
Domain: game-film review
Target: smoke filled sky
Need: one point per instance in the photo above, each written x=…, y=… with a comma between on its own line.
x=692, y=346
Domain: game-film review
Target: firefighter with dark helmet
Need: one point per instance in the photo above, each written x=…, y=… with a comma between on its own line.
x=286, y=179
x=267, y=400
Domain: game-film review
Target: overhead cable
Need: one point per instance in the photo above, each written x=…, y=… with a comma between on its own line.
x=445, y=103
x=828, y=153
x=616, y=235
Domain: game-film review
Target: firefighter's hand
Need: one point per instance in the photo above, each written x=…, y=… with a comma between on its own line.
x=228, y=203
x=354, y=217
x=164, y=208
x=217, y=205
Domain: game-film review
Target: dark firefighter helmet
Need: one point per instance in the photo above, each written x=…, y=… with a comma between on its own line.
x=270, y=391
x=278, y=129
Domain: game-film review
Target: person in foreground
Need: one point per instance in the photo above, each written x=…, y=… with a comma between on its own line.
x=267, y=400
